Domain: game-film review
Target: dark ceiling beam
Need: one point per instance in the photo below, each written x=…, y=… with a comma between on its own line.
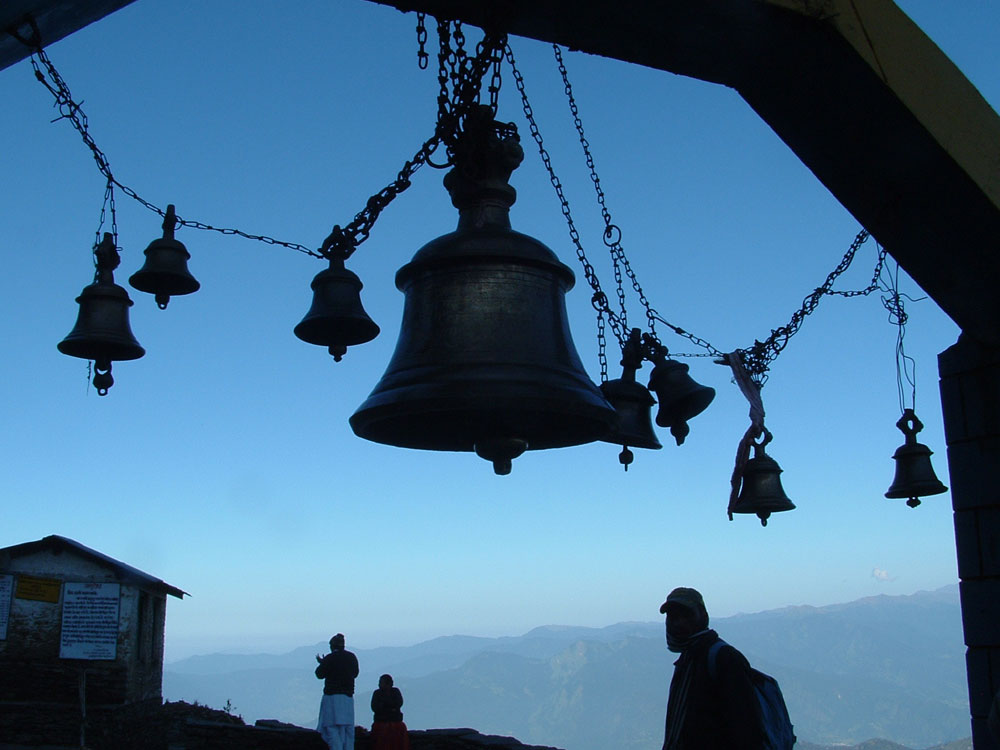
x=878, y=113
x=54, y=19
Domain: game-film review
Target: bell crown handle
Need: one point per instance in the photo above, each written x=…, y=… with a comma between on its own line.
x=909, y=425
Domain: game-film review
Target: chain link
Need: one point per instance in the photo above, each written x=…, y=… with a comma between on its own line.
x=423, y=58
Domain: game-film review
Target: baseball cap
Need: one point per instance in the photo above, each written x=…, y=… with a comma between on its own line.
x=685, y=597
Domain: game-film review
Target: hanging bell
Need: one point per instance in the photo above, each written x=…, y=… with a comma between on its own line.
x=336, y=319
x=633, y=403
x=761, y=490
x=165, y=272
x=915, y=476
x=680, y=397
x=102, y=332
x=484, y=361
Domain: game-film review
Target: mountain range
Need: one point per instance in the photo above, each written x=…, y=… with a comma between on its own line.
x=890, y=668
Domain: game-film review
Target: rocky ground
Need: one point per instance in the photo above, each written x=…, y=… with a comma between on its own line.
x=184, y=726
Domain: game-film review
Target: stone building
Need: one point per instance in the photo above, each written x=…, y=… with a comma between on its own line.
x=81, y=634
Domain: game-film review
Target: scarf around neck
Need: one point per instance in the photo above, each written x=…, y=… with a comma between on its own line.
x=679, y=646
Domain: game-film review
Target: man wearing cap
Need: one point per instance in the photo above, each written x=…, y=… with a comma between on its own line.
x=336, y=712
x=711, y=707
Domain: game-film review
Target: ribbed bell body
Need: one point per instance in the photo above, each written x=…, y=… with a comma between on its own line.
x=484, y=359
x=761, y=492
x=336, y=318
x=102, y=331
x=165, y=273
x=681, y=397
x=915, y=475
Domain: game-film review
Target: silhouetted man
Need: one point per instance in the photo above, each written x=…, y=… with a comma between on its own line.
x=712, y=704
x=336, y=711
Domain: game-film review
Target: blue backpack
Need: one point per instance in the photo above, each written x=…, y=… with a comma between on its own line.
x=775, y=723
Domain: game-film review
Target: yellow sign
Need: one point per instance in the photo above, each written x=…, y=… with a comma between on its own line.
x=38, y=589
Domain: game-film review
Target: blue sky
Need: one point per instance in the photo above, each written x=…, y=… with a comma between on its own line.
x=223, y=461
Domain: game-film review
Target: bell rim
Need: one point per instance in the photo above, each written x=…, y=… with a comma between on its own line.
x=916, y=489
x=380, y=422
x=360, y=334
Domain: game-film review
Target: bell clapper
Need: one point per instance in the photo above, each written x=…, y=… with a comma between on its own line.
x=680, y=431
x=501, y=451
x=625, y=457
x=102, y=377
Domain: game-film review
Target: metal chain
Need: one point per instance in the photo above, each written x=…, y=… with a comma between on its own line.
x=602, y=347
x=613, y=233
x=70, y=110
x=599, y=299
x=757, y=358
x=422, y=57
x=465, y=75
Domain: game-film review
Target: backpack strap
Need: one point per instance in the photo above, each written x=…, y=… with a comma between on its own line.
x=713, y=655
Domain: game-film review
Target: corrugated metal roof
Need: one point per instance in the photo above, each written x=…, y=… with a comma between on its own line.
x=126, y=572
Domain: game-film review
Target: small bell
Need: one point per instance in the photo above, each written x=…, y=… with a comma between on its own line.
x=680, y=397
x=336, y=319
x=102, y=332
x=761, y=490
x=165, y=272
x=632, y=402
x=915, y=476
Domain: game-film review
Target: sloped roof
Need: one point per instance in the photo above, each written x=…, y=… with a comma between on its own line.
x=125, y=572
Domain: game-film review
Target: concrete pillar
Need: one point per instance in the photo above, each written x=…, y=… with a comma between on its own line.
x=970, y=400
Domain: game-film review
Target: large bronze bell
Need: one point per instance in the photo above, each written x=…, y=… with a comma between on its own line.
x=484, y=361
x=680, y=397
x=336, y=318
x=761, y=492
x=915, y=476
x=165, y=273
x=632, y=402
x=102, y=332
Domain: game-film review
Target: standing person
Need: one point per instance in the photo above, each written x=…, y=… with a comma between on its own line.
x=388, y=729
x=711, y=706
x=336, y=712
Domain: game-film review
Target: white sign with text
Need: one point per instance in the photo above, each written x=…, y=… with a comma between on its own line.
x=90, y=621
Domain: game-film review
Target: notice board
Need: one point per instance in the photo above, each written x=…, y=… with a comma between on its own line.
x=90, y=621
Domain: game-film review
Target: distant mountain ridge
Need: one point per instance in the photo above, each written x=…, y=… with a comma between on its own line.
x=887, y=667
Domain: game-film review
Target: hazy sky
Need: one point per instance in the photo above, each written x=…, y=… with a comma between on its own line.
x=223, y=461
